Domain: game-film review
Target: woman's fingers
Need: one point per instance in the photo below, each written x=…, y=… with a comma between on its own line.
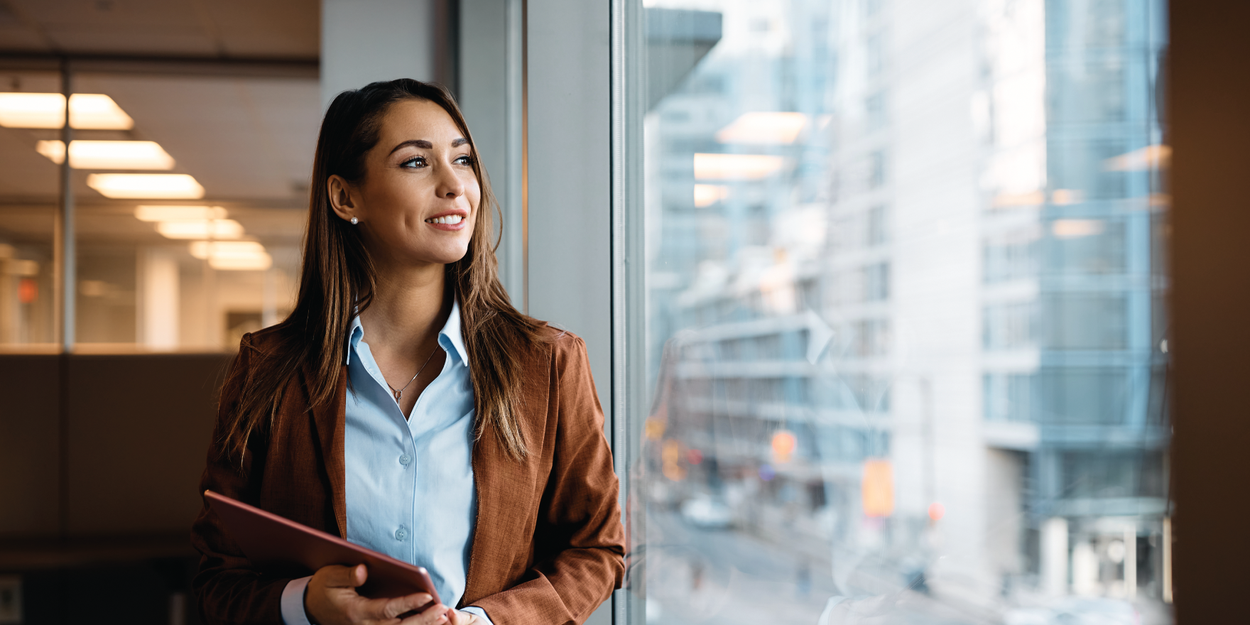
x=461, y=618
x=435, y=615
x=331, y=598
x=344, y=576
x=387, y=609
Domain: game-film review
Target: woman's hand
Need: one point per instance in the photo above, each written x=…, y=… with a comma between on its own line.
x=331, y=599
x=463, y=618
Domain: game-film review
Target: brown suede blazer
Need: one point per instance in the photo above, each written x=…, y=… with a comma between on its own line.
x=548, y=543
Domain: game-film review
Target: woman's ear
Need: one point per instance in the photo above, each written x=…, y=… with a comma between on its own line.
x=340, y=193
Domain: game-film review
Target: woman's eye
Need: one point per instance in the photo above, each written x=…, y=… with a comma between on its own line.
x=413, y=162
x=465, y=160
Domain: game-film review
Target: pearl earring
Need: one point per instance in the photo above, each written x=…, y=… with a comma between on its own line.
x=355, y=221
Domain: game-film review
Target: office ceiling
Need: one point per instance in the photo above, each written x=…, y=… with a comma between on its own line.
x=226, y=28
x=248, y=139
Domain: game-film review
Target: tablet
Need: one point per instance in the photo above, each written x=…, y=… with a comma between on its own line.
x=274, y=543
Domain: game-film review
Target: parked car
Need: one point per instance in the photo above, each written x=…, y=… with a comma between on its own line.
x=706, y=513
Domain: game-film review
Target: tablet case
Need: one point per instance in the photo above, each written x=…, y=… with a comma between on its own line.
x=277, y=544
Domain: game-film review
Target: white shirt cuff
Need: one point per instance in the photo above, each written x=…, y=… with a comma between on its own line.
x=473, y=610
x=293, y=602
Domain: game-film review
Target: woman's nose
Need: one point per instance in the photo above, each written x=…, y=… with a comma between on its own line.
x=450, y=185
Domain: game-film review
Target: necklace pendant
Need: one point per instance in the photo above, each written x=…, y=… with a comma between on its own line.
x=398, y=394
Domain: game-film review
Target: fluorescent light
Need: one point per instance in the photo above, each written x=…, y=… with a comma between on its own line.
x=255, y=263
x=90, y=111
x=32, y=110
x=709, y=194
x=204, y=229
x=232, y=255
x=1011, y=200
x=763, y=128
x=97, y=111
x=108, y=154
x=735, y=166
x=222, y=249
x=1149, y=157
x=179, y=213
x=1075, y=228
x=146, y=186
x=1064, y=197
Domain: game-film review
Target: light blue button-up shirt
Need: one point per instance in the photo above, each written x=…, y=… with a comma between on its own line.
x=410, y=492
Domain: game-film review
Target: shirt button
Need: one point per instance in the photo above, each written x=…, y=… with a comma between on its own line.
x=401, y=533
x=405, y=459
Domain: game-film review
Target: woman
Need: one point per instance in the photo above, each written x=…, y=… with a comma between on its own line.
x=405, y=405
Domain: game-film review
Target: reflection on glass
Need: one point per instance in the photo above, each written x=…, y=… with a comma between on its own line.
x=906, y=344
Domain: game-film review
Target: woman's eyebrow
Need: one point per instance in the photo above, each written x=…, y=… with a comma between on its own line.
x=426, y=145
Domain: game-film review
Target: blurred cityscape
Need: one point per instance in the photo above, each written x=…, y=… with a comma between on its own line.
x=905, y=313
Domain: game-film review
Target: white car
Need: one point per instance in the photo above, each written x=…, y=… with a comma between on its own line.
x=706, y=513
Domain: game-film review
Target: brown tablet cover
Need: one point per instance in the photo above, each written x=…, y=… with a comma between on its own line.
x=275, y=543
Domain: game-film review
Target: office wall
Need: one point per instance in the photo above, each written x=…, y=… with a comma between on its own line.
x=1209, y=98
x=490, y=95
x=569, y=174
x=367, y=40
x=104, y=445
x=30, y=453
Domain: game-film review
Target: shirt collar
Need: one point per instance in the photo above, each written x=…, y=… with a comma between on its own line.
x=453, y=333
x=450, y=336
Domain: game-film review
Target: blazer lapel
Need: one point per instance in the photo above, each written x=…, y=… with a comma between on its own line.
x=505, y=488
x=330, y=419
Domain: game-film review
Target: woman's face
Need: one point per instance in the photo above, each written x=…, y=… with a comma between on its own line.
x=419, y=198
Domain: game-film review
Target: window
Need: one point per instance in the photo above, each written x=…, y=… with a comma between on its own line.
x=1009, y=396
x=1011, y=255
x=1089, y=321
x=936, y=287
x=1009, y=326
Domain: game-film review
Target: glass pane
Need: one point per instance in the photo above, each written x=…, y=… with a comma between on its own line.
x=29, y=192
x=193, y=268
x=906, y=344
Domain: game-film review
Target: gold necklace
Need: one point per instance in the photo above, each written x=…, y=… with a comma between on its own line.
x=400, y=392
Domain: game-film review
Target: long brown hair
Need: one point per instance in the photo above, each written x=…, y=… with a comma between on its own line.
x=338, y=278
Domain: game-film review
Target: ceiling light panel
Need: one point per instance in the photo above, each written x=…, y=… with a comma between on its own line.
x=255, y=263
x=735, y=166
x=1075, y=228
x=207, y=229
x=108, y=154
x=179, y=213
x=232, y=255
x=87, y=111
x=146, y=186
x=767, y=128
x=1149, y=157
x=708, y=194
x=222, y=249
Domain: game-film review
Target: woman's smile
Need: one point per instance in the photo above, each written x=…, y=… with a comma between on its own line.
x=453, y=220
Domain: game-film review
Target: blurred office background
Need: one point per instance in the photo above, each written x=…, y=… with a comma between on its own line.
x=877, y=292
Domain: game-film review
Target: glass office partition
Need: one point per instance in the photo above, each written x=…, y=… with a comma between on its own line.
x=199, y=243
x=29, y=191
x=906, y=340
x=189, y=195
